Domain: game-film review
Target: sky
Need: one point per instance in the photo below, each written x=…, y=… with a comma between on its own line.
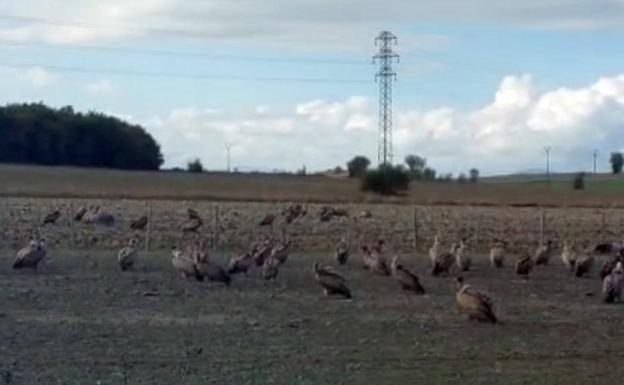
x=290, y=83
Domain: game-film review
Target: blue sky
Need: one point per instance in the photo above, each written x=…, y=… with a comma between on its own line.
x=475, y=89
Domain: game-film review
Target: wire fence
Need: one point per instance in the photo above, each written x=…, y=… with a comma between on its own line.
x=236, y=225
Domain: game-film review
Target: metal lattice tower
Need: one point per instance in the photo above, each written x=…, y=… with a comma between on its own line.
x=385, y=76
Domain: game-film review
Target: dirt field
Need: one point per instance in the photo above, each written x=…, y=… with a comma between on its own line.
x=80, y=321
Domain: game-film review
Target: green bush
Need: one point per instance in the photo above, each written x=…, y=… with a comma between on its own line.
x=386, y=180
x=195, y=166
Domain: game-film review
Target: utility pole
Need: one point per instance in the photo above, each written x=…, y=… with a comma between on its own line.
x=227, y=151
x=595, y=156
x=385, y=76
x=547, y=149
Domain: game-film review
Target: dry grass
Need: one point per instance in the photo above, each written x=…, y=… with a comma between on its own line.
x=27, y=181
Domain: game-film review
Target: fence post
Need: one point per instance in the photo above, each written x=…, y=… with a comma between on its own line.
x=148, y=233
x=216, y=229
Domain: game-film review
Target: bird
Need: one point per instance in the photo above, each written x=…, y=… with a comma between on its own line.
x=240, y=264
x=281, y=251
x=267, y=220
x=365, y=214
x=497, y=255
x=192, y=214
x=342, y=252
x=407, y=279
x=613, y=284
x=524, y=265
x=435, y=249
x=31, y=255
x=192, y=225
x=375, y=263
x=583, y=264
x=127, y=255
x=603, y=248
x=139, y=223
x=102, y=218
x=331, y=282
x=262, y=251
x=462, y=258
x=185, y=265
x=444, y=261
x=212, y=271
x=80, y=214
x=270, y=268
x=52, y=217
x=568, y=255
x=543, y=253
x=609, y=264
x=475, y=304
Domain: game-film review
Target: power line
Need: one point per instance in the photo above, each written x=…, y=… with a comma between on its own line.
x=161, y=74
x=153, y=52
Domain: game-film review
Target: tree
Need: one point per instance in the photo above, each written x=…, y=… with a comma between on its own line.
x=579, y=181
x=386, y=180
x=357, y=166
x=461, y=179
x=195, y=166
x=617, y=162
x=429, y=174
x=474, y=175
x=416, y=165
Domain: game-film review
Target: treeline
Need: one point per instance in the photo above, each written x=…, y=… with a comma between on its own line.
x=37, y=134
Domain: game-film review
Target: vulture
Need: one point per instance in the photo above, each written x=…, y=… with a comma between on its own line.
x=340, y=212
x=603, y=248
x=435, y=249
x=462, y=258
x=240, y=264
x=365, y=214
x=262, y=252
x=192, y=225
x=543, y=253
x=332, y=282
x=583, y=264
x=497, y=255
x=267, y=220
x=212, y=272
x=80, y=214
x=127, y=255
x=185, y=265
x=30, y=255
x=52, y=217
x=103, y=218
x=443, y=262
x=139, y=223
x=281, y=251
x=524, y=265
x=568, y=255
x=407, y=279
x=342, y=252
x=270, y=268
x=609, y=264
x=374, y=262
x=613, y=284
x=477, y=305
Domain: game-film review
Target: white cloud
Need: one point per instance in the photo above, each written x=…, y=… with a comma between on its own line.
x=101, y=87
x=506, y=135
x=37, y=76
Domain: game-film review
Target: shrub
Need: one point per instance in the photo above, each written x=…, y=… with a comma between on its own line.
x=617, y=162
x=578, y=183
x=386, y=180
x=195, y=166
x=357, y=166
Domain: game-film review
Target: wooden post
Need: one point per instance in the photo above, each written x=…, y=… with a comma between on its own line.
x=542, y=224
x=148, y=232
x=415, y=224
x=217, y=229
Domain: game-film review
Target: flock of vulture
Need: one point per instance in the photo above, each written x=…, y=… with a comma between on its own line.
x=268, y=254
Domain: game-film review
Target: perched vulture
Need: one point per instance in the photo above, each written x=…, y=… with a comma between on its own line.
x=212, y=272
x=80, y=214
x=374, y=262
x=192, y=225
x=281, y=251
x=613, y=284
x=332, y=282
x=192, y=214
x=524, y=265
x=185, y=265
x=543, y=253
x=267, y=220
x=127, y=255
x=444, y=262
x=270, y=268
x=342, y=252
x=52, y=217
x=103, y=218
x=435, y=249
x=477, y=305
x=497, y=255
x=262, y=252
x=407, y=279
x=603, y=248
x=583, y=264
x=30, y=255
x=568, y=255
x=139, y=223
x=462, y=258
x=609, y=264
